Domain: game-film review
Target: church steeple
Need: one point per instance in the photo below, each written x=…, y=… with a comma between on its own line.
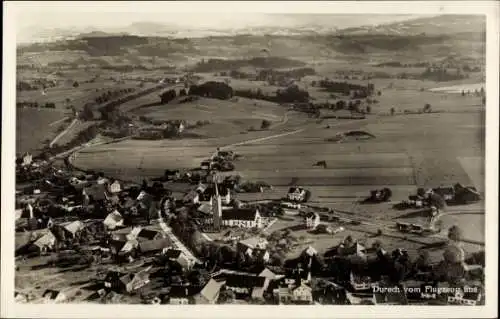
x=216, y=205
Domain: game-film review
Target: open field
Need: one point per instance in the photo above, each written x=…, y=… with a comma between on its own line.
x=33, y=128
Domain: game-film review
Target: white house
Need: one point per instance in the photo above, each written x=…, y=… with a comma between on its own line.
x=312, y=220
x=242, y=217
x=27, y=159
x=302, y=293
x=113, y=220
x=297, y=194
x=115, y=187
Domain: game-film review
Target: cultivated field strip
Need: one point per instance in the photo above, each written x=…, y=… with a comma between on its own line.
x=331, y=194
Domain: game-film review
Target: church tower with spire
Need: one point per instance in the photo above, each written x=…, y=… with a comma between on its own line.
x=216, y=205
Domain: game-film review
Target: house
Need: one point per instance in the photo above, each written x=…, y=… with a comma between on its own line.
x=312, y=220
x=469, y=296
x=182, y=295
x=210, y=293
x=448, y=193
x=253, y=243
x=45, y=243
x=53, y=296
x=20, y=297
x=296, y=194
x=241, y=217
x=254, y=247
x=192, y=197
x=115, y=187
x=27, y=159
x=360, y=282
x=114, y=220
x=149, y=234
x=74, y=228
x=154, y=246
x=302, y=294
x=178, y=256
x=120, y=282
x=95, y=192
x=246, y=285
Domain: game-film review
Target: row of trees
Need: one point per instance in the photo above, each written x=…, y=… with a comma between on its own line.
x=214, y=65
x=212, y=89
x=292, y=94
x=442, y=74
x=48, y=105
x=109, y=95
x=346, y=88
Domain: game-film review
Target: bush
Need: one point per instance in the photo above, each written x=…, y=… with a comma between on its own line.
x=265, y=124
x=379, y=232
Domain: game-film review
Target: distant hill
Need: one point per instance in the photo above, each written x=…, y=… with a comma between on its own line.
x=438, y=36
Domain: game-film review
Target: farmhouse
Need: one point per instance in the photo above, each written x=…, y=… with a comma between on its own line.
x=242, y=217
x=115, y=187
x=120, y=282
x=210, y=293
x=154, y=246
x=45, y=243
x=53, y=296
x=297, y=194
x=312, y=220
x=148, y=234
x=74, y=228
x=247, y=285
x=114, y=220
x=27, y=159
x=179, y=257
x=448, y=193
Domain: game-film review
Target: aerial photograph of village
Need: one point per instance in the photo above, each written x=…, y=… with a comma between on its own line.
x=277, y=159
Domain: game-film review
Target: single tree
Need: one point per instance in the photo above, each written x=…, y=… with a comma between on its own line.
x=393, y=110
x=265, y=124
x=427, y=108
x=455, y=233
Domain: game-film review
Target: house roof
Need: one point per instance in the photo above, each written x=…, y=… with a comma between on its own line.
x=173, y=253
x=96, y=191
x=52, y=294
x=302, y=286
x=154, y=245
x=114, y=217
x=292, y=190
x=310, y=251
x=211, y=289
x=312, y=215
x=244, y=281
x=148, y=233
x=129, y=245
x=46, y=240
x=252, y=242
x=267, y=274
x=191, y=195
x=239, y=214
x=444, y=190
x=75, y=226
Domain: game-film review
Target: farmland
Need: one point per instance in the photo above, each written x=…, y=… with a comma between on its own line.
x=35, y=126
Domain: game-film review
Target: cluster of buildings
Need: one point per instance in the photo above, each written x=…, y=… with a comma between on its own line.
x=122, y=224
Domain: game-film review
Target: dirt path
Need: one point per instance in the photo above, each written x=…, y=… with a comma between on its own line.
x=59, y=121
x=70, y=126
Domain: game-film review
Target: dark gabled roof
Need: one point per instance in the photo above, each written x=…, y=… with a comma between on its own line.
x=96, y=191
x=148, y=233
x=444, y=190
x=173, y=253
x=154, y=245
x=244, y=281
x=312, y=215
x=239, y=214
x=183, y=291
x=51, y=293
x=295, y=189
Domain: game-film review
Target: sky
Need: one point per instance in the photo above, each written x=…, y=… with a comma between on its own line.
x=186, y=14
x=33, y=18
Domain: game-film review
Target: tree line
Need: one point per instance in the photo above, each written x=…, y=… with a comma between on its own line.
x=47, y=105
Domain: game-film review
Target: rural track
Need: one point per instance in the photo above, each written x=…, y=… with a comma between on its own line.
x=314, y=126
x=60, y=135
x=59, y=121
